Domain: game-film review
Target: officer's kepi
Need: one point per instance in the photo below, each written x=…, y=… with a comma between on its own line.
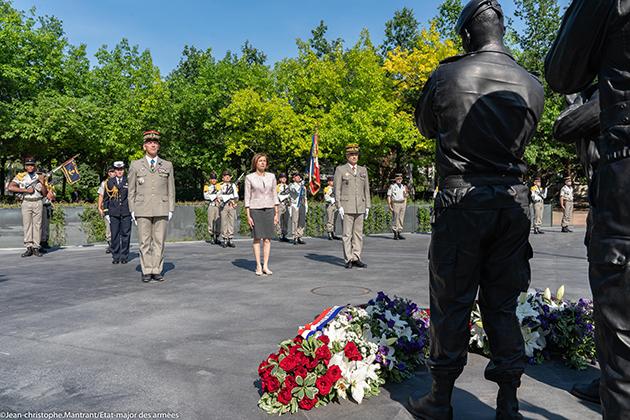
x=473, y=9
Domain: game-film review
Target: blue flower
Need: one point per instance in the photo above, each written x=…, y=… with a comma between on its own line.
x=401, y=366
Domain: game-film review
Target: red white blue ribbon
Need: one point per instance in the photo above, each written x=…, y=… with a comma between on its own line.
x=320, y=321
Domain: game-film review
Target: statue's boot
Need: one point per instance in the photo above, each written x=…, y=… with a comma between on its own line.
x=436, y=405
x=588, y=392
x=507, y=403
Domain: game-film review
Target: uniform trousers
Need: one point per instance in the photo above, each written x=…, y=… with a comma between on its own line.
x=539, y=207
x=214, y=220
x=567, y=213
x=228, y=217
x=282, y=228
x=398, y=216
x=474, y=250
x=331, y=216
x=151, y=236
x=298, y=222
x=121, y=236
x=352, y=236
x=32, y=222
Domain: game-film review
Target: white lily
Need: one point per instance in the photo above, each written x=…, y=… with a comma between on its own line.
x=560, y=292
x=524, y=310
x=547, y=294
x=533, y=341
x=478, y=334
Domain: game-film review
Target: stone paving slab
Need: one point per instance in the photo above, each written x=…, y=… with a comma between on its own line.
x=80, y=334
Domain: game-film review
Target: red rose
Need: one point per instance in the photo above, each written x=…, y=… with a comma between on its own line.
x=301, y=371
x=288, y=363
x=324, y=339
x=271, y=384
x=263, y=367
x=285, y=396
x=352, y=352
x=334, y=372
x=289, y=382
x=272, y=356
x=298, y=339
x=323, y=353
x=324, y=384
x=307, y=403
x=312, y=363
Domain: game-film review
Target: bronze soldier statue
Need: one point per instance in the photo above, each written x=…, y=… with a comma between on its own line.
x=593, y=44
x=482, y=108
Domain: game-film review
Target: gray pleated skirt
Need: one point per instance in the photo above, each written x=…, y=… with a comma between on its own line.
x=263, y=223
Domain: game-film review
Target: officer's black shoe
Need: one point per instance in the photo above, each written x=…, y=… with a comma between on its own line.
x=28, y=253
x=402, y=238
x=300, y=241
x=535, y=232
x=158, y=278
x=224, y=244
x=231, y=244
x=109, y=249
x=123, y=261
x=115, y=261
x=284, y=239
x=146, y=278
x=395, y=235
x=348, y=264
x=294, y=242
x=436, y=405
x=569, y=229
x=37, y=252
x=359, y=263
x=588, y=392
x=507, y=403
x=330, y=236
x=336, y=238
x=541, y=232
x=565, y=229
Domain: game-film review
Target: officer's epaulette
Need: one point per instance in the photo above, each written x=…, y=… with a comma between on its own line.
x=20, y=176
x=532, y=188
x=217, y=186
x=206, y=187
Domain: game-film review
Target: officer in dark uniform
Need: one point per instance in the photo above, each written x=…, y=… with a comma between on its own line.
x=579, y=124
x=117, y=214
x=482, y=108
x=593, y=44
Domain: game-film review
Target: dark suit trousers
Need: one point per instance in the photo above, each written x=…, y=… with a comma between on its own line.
x=121, y=236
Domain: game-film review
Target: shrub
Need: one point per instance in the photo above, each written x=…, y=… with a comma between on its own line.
x=92, y=224
x=57, y=236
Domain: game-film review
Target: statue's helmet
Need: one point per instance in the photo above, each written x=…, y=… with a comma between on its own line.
x=473, y=9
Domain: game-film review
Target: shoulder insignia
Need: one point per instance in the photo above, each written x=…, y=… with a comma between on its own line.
x=206, y=188
x=20, y=176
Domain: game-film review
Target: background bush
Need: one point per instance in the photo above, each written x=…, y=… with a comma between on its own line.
x=92, y=224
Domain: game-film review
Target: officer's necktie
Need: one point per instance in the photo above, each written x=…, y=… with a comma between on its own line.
x=152, y=165
x=354, y=170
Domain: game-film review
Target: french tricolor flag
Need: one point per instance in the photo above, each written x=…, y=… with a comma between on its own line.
x=314, y=181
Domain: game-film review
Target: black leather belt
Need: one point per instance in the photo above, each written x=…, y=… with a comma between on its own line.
x=467, y=181
x=617, y=155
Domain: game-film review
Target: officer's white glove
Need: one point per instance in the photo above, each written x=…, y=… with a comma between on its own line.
x=107, y=218
x=341, y=213
x=367, y=213
x=133, y=217
x=170, y=215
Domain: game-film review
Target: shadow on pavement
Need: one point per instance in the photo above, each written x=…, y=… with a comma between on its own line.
x=330, y=259
x=465, y=404
x=168, y=266
x=249, y=265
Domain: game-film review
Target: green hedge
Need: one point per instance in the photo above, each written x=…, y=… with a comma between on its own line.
x=92, y=224
x=57, y=235
x=424, y=219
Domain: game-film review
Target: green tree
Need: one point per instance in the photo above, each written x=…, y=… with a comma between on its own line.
x=400, y=32
x=318, y=42
x=445, y=20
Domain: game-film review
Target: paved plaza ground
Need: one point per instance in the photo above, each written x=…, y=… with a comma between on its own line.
x=80, y=334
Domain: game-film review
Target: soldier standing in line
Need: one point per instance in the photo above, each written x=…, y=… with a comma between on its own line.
x=117, y=214
x=32, y=188
x=331, y=208
x=282, y=229
x=352, y=194
x=101, y=192
x=566, y=203
x=538, y=195
x=228, y=195
x=211, y=195
x=482, y=108
x=152, y=203
x=397, y=200
x=47, y=213
x=299, y=208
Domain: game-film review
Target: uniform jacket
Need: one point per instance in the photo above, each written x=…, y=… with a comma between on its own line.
x=538, y=194
x=352, y=192
x=116, y=197
x=228, y=193
x=482, y=108
x=283, y=194
x=151, y=193
x=23, y=180
x=329, y=195
x=592, y=43
x=211, y=193
x=297, y=192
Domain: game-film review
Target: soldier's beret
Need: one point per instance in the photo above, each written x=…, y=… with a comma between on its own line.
x=537, y=178
x=296, y=174
x=330, y=178
x=151, y=135
x=398, y=175
x=473, y=9
x=111, y=169
x=29, y=161
x=282, y=175
x=213, y=175
x=567, y=178
x=226, y=173
x=119, y=164
x=352, y=148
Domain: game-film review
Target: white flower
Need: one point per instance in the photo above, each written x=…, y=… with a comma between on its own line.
x=533, y=341
x=478, y=334
x=560, y=292
x=524, y=310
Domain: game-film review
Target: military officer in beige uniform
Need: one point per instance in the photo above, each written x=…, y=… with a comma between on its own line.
x=352, y=194
x=397, y=200
x=32, y=188
x=152, y=203
x=211, y=195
